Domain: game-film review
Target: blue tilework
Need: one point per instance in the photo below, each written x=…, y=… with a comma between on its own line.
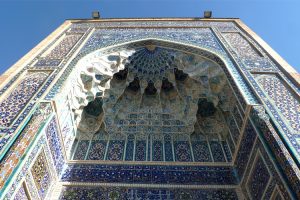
x=241, y=45
x=115, y=150
x=237, y=117
x=231, y=144
x=47, y=62
x=201, y=151
x=55, y=146
x=235, y=133
x=149, y=153
x=129, y=149
x=245, y=148
x=149, y=174
x=101, y=192
x=217, y=152
x=81, y=150
x=227, y=151
x=117, y=36
x=11, y=106
x=157, y=151
x=272, y=171
x=168, y=150
x=168, y=24
x=97, y=150
x=41, y=175
x=259, y=179
x=64, y=47
x=284, y=99
x=182, y=151
x=140, y=150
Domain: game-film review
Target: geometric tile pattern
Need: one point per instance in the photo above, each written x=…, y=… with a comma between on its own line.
x=152, y=150
x=208, y=40
x=258, y=179
x=63, y=48
x=150, y=174
x=234, y=131
x=41, y=175
x=69, y=193
x=18, y=98
x=284, y=99
x=244, y=150
x=56, y=150
x=59, y=52
x=241, y=45
x=19, y=149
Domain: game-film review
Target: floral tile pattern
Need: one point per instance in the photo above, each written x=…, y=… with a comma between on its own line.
x=41, y=175
x=18, y=98
x=285, y=100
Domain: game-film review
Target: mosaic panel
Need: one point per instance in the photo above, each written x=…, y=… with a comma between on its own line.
x=241, y=45
x=74, y=30
x=284, y=99
x=201, y=151
x=182, y=151
x=115, y=150
x=81, y=150
x=11, y=106
x=227, y=151
x=129, y=193
x=237, y=117
x=269, y=190
x=140, y=150
x=258, y=179
x=217, y=152
x=97, y=150
x=150, y=174
x=259, y=64
x=230, y=143
x=64, y=47
x=24, y=172
x=55, y=147
x=150, y=23
x=47, y=63
x=41, y=175
x=157, y=150
x=21, y=193
x=168, y=149
x=246, y=145
x=270, y=170
x=279, y=151
x=19, y=148
x=130, y=148
x=277, y=195
x=234, y=131
x=135, y=149
x=108, y=37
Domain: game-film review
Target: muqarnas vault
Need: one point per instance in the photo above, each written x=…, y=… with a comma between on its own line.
x=150, y=109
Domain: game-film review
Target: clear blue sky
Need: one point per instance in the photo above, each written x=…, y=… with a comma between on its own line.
x=24, y=23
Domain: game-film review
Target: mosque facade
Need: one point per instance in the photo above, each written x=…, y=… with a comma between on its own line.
x=166, y=108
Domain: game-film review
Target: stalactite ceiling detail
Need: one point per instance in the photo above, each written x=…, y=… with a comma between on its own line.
x=151, y=89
